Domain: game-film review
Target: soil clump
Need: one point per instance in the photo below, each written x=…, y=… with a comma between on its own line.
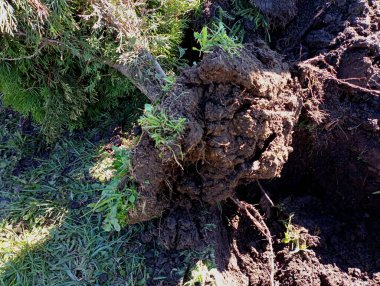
x=310, y=115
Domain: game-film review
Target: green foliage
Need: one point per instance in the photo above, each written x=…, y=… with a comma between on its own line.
x=47, y=235
x=115, y=203
x=19, y=98
x=122, y=162
x=55, y=55
x=165, y=29
x=53, y=67
x=162, y=128
x=217, y=36
x=247, y=11
x=293, y=238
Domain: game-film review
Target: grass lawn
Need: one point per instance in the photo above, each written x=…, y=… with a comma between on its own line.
x=48, y=235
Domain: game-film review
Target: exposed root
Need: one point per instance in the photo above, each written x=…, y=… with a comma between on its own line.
x=326, y=75
x=265, y=194
x=240, y=113
x=256, y=218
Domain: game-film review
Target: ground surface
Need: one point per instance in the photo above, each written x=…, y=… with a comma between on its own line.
x=49, y=236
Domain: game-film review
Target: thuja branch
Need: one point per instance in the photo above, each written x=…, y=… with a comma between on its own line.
x=150, y=84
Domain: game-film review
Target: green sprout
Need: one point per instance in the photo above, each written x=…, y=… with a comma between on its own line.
x=217, y=36
x=161, y=127
x=293, y=238
x=116, y=203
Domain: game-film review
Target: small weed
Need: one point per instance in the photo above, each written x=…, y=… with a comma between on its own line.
x=216, y=36
x=190, y=259
x=245, y=10
x=162, y=128
x=115, y=203
x=204, y=273
x=122, y=162
x=292, y=238
x=199, y=274
x=115, y=164
x=169, y=83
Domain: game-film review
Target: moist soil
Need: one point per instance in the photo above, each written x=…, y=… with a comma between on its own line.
x=318, y=157
x=302, y=116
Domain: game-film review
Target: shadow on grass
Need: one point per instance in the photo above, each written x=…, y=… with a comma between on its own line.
x=77, y=252
x=47, y=238
x=48, y=234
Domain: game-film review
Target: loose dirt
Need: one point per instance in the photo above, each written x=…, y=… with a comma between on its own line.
x=240, y=111
x=310, y=115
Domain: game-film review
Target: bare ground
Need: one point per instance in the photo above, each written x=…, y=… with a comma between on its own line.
x=319, y=99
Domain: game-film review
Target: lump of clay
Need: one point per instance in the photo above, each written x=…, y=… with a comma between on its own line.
x=240, y=115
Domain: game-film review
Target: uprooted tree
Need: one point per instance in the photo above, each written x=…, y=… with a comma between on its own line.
x=62, y=63
x=239, y=110
x=242, y=113
x=233, y=113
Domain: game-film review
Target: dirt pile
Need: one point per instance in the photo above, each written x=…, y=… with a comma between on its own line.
x=241, y=115
x=240, y=111
x=337, y=149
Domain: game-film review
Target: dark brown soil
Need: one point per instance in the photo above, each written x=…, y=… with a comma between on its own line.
x=240, y=111
x=280, y=12
x=342, y=249
x=242, y=114
x=337, y=143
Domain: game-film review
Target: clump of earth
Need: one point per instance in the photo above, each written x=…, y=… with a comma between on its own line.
x=299, y=114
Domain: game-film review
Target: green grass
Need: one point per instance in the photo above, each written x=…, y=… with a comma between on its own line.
x=77, y=252
x=249, y=12
x=216, y=36
x=48, y=236
x=163, y=129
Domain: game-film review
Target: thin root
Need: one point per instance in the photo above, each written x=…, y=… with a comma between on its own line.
x=256, y=218
x=328, y=75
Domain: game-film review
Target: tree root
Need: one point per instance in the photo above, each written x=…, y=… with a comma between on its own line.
x=265, y=194
x=258, y=221
x=307, y=65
